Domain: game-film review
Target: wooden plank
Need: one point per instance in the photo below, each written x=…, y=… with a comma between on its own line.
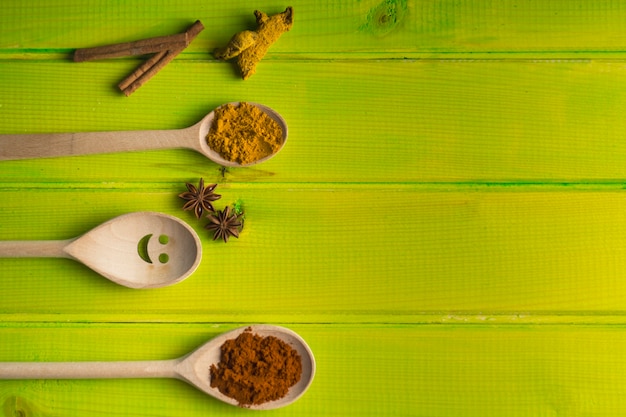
x=405, y=121
x=445, y=226
x=396, y=28
x=342, y=253
x=431, y=370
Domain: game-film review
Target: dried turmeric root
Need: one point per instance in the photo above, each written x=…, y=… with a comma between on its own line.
x=250, y=46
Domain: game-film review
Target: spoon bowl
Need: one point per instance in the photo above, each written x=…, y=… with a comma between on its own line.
x=136, y=250
x=192, y=368
x=48, y=145
x=205, y=125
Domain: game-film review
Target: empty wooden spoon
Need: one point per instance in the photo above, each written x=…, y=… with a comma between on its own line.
x=136, y=250
x=46, y=145
x=192, y=368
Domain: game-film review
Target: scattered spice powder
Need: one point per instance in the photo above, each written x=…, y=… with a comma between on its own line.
x=256, y=369
x=244, y=133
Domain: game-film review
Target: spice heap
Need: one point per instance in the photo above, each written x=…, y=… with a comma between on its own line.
x=255, y=369
x=244, y=133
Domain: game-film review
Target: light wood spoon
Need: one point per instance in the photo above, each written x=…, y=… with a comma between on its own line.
x=192, y=368
x=136, y=250
x=46, y=145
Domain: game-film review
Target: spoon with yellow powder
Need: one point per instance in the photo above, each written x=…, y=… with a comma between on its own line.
x=225, y=122
x=192, y=368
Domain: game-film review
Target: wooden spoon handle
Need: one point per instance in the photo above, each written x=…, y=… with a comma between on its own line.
x=33, y=249
x=87, y=370
x=67, y=144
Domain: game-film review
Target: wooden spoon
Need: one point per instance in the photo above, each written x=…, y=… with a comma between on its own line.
x=192, y=368
x=137, y=250
x=46, y=145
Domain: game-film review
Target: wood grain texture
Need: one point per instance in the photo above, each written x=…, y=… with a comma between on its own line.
x=432, y=370
x=392, y=28
x=434, y=121
x=447, y=217
x=482, y=251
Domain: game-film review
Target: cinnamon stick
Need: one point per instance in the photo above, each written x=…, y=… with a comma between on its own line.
x=135, y=80
x=138, y=78
x=166, y=48
x=142, y=69
x=144, y=46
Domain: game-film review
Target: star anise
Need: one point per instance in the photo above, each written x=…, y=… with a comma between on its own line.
x=224, y=224
x=199, y=199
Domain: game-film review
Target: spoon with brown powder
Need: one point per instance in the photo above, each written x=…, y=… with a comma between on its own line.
x=47, y=145
x=192, y=368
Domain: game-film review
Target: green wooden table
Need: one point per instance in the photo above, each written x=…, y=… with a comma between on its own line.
x=446, y=226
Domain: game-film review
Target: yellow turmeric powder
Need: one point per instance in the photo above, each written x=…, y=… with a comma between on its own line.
x=244, y=133
x=250, y=46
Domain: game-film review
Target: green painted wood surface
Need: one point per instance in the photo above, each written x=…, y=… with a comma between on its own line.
x=405, y=121
x=446, y=225
x=422, y=370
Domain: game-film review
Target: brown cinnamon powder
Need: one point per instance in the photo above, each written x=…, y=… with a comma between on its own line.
x=256, y=369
